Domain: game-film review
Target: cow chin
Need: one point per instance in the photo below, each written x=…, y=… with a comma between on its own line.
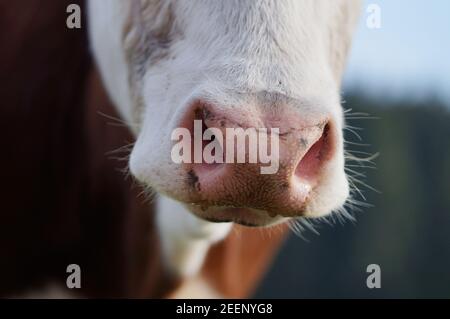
x=248, y=217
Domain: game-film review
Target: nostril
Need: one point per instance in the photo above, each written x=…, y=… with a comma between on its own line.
x=206, y=168
x=310, y=165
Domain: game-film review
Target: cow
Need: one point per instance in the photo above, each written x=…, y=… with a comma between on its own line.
x=168, y=229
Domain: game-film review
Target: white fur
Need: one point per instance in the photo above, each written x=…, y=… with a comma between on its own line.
x=216, y=49
x=197, y=288
x=185, y=238
x=108, y=17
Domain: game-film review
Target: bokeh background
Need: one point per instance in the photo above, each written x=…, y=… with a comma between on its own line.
x=399, y=74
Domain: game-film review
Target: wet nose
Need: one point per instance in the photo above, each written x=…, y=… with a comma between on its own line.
x=256, y=158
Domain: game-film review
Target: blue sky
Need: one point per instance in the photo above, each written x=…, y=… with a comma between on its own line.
x=408, y=56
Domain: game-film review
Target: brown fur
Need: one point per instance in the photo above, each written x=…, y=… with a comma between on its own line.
x=64, y=200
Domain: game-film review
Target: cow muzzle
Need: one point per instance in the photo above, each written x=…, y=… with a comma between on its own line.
x=244, y=163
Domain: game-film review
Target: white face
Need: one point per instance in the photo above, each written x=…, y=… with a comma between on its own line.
x=235, y=63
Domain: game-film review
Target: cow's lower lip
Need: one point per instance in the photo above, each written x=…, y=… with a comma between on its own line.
x=243, y=216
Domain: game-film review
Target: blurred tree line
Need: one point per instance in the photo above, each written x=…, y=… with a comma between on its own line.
x=406, y=232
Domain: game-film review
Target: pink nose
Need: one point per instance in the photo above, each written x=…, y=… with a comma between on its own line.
x=296, y=148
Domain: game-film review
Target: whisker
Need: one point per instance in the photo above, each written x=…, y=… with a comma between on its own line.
x=361, y=166
x=357, y=144
x=118, y=122
x=359, y=174
x=365, y=185
x=362, y=118
x=351, y=181
x=354, y=127
x=353, y=132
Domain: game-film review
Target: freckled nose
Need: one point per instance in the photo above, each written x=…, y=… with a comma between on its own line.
x=278, y=182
